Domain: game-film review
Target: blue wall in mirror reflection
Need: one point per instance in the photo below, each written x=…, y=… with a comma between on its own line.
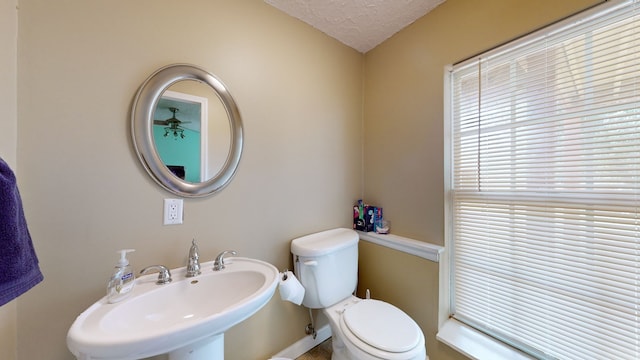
x=180, y=151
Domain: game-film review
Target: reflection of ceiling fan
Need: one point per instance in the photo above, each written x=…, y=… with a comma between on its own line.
x=172, y=125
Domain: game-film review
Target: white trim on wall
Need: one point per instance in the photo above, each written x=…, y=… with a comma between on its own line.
x=410, y=246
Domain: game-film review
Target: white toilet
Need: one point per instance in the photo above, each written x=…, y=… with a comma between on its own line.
x=326, y=264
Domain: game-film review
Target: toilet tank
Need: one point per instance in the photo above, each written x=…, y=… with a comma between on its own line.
x=326, y=263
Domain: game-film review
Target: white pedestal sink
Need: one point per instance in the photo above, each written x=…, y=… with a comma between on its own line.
x=185, y=319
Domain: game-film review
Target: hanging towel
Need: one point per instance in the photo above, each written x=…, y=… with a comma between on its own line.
x=19, y=270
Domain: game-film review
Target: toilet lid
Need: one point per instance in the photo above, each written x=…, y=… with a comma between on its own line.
x=382, y=325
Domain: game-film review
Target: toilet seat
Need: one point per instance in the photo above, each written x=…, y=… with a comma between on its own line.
x=381, y=330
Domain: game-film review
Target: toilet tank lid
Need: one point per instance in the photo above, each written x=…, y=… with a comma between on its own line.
x=324, y=242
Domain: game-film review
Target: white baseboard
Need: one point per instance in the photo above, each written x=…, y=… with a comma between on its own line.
x=305, y=344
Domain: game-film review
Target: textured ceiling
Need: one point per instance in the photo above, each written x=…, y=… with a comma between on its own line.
x=360, y=24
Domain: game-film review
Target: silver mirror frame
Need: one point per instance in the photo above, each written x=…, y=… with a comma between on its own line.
x=142, y=111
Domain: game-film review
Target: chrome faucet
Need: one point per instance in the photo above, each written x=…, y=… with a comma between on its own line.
x=164, y=275
x=193, y=266
x=218, y=264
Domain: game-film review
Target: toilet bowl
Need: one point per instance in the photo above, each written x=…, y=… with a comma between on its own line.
x=374, y=329
x=326, y=264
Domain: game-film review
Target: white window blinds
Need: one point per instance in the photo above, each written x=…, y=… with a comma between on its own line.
x=544, y=192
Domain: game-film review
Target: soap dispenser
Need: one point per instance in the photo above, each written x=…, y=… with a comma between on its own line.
x=122, y=280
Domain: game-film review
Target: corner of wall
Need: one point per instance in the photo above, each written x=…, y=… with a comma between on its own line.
x=9, y=80
x=8, y=331
x=8, y=145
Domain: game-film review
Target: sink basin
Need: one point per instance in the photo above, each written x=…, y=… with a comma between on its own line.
x=189, y=315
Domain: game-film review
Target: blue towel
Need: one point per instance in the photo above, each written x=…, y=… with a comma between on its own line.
x=19, y=270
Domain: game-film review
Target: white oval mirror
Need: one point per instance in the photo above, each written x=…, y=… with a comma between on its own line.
x=187, y=130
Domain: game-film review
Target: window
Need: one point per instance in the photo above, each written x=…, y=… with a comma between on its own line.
x=543, y=193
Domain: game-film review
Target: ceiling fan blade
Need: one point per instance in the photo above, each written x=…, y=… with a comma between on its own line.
x=160, y=122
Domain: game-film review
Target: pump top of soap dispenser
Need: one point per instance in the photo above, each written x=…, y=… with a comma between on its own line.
x=123, y=257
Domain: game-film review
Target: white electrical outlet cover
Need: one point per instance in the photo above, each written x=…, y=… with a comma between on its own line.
x=173, y=211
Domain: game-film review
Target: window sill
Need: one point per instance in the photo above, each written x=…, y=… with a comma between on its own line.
x=414, y=247
x=475, y=344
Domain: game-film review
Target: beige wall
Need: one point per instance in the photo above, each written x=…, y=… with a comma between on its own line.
x=8, y=141
x=408, y=282
x=403, y=137
x=403, y=109
x=8, y=81
x=81, y=62
x=299, y=92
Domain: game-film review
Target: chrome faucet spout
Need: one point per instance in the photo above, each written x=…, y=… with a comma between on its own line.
x=218, y=264
x=164, y=275
x=193, y=265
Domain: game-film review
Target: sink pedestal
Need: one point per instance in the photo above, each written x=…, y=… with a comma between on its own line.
x=211, y=348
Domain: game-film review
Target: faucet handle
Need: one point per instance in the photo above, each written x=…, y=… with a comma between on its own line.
x=164, y=275
x=218, y=264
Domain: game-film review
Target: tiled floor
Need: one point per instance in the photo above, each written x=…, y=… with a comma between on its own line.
x=320, y=352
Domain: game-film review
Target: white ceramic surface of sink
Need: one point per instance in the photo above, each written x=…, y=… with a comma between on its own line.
x=159, y=319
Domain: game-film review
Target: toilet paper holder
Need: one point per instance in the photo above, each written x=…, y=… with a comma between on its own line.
x=310, y=328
